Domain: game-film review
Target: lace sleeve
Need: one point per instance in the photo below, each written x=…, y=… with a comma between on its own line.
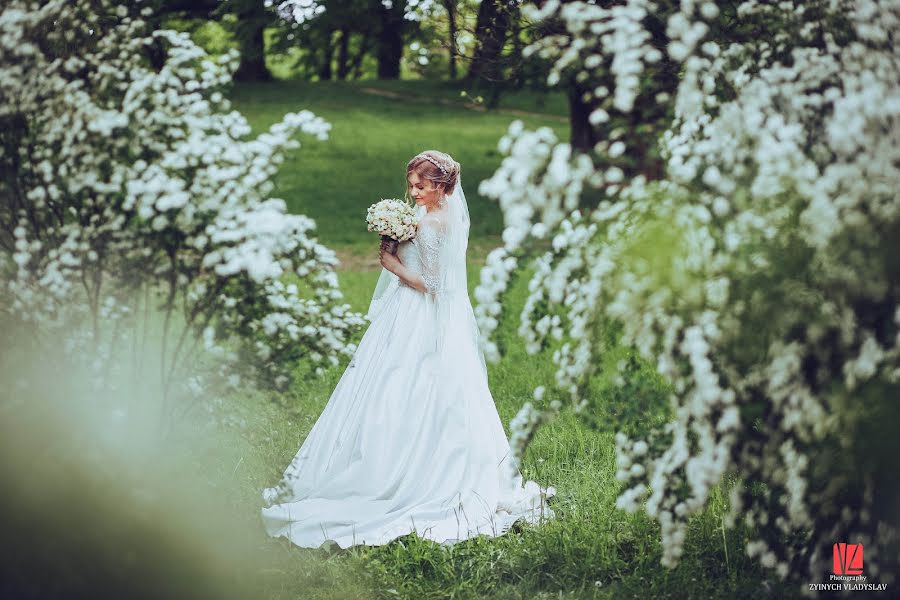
x=430, y=237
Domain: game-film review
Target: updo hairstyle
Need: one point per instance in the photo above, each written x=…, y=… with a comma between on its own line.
x=428, y=165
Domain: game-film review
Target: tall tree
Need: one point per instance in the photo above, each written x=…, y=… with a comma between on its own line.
x=343, y=66
x=389, y=48
x=326, y=51
x=660, y=78
x=333, y=40
x=491, y=32
x=356, y=65
x=251, y=17
x=189, y=9
x=450, y=7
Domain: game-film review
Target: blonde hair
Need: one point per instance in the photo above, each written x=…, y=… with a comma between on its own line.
x=437, y=167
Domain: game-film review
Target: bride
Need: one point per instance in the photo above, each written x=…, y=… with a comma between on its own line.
x=410, y=440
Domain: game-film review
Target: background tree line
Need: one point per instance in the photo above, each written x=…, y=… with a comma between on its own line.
x=469, y=39
x=478, y=44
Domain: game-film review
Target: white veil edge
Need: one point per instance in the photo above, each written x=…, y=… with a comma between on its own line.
x=386, y=285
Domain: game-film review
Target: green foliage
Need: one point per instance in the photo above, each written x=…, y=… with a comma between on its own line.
x=209, y=35
x=629, y=396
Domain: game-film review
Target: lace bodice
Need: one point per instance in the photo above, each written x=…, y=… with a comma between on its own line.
x=421, y=255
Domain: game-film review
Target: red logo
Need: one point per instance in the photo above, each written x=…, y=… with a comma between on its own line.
x=848, y=559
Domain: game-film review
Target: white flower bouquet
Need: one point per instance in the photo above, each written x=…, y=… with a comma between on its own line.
x=394, y=219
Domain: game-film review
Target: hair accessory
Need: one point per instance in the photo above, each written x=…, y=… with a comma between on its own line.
x=435, y=163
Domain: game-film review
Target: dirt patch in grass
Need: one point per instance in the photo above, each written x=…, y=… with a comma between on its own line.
x=468, y=105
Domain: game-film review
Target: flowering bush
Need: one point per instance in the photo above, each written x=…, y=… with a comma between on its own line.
x=756, y=274
x=127, y=179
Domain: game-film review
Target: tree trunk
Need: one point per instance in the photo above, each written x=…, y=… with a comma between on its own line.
x=450, y=6
x=516, y=37
x=390, y=40
x=582, y=137
x=491, y=31
x=327, y=55
x=344, y=54
x=253, y=53
x=360, y=55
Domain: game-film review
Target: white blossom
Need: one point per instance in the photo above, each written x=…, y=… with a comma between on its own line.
x=799, y=159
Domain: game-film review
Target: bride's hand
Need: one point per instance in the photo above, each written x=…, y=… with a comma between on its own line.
x=388, y=260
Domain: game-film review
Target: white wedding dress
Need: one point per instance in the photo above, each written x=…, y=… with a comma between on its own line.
x=410, y=440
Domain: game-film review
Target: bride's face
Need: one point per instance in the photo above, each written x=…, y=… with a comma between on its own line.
x=423, y=190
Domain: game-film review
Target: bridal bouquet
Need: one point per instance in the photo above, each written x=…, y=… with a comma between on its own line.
x=394, y=219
